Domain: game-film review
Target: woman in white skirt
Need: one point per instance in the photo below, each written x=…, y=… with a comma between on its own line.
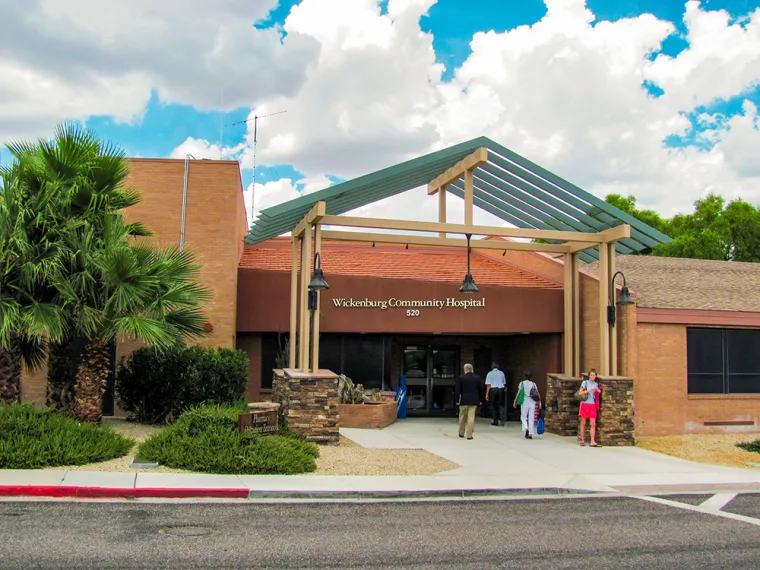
x=531, y=401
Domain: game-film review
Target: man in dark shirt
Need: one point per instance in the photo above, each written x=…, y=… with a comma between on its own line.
x=469, y=395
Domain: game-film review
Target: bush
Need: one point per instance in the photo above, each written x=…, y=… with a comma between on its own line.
x=750, y=446
x=31, y=438
x=159, y=386
x=206, y=439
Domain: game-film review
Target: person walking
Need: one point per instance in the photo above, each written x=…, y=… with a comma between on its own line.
x=589, y=407
x=496, y=385
x=468, y=395
x=530, y=402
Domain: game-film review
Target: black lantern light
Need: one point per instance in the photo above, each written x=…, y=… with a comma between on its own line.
x=318, y=282
x=624, y=298
x=468, y=285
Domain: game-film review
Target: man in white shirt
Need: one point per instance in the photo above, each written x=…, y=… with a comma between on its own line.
x=496, y=385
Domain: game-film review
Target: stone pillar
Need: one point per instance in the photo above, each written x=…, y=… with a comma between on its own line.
x=615, y=422
x=309, y=403
x=561, y=408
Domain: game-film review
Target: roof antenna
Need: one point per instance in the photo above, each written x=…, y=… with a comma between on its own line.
x=255, y=120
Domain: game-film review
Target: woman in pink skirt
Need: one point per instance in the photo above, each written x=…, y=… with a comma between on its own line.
x=589, y=407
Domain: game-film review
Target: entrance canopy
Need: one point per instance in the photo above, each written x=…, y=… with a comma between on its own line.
x=556, y=215
x=504, y=184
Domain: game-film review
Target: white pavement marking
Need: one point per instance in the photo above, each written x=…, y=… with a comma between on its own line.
x=718, y=501
x=694, y=509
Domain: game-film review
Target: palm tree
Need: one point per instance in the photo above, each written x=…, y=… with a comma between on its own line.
x=32, y=226
x=124, y=290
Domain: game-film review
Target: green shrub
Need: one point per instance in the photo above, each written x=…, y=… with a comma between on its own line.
x=750, y=446
x=31, y=438
x=206, y=439
x=159, y=386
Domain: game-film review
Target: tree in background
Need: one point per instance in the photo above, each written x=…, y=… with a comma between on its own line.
x=715, y=230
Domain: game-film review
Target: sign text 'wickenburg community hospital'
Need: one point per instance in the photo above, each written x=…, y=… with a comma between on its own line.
x=448, y=302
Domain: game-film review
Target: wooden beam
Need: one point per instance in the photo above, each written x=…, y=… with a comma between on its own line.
x=579, y=246
x=604, y=329
x=470, y=162
x=442, y=209
x=312, y=217
x=443, y=242
x=568, y=339
x=293, y=305
x=303, y=344
x=576, y=317
x=433, y=227
x=315, y=318
x=615, y=234
x=469, y=186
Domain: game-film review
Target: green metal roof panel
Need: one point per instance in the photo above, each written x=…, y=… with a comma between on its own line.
x=509, y=186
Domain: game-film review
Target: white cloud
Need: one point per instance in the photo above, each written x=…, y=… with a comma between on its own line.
x=565, y=92
x=363, y=89
x=80, y=58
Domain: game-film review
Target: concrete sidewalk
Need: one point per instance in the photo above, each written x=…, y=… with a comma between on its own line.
x=498, y=461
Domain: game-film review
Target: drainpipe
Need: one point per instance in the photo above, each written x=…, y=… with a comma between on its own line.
x=184, y=202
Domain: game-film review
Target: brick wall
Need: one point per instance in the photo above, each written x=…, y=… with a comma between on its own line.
x=663, y=406
x=214, y=226
x=589, y=300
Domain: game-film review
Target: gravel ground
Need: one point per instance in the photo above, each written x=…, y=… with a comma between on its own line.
x=717, y=449
x=348, y=458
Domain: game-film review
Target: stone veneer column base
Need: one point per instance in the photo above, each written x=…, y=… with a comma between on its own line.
x=309, y=403
x=615, y=422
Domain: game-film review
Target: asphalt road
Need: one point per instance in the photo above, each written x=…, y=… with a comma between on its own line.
x=566, y=533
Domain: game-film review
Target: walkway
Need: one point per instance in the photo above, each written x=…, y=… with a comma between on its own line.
x=502, y=456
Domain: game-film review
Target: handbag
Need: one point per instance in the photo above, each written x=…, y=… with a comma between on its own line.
x=540, y=426
x=578, y=396
x=534, y=393
x=521, y=395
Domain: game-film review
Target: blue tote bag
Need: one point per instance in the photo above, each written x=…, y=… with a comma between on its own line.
x=540, y=426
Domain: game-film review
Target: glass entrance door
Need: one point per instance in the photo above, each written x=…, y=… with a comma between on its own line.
x=431, y=373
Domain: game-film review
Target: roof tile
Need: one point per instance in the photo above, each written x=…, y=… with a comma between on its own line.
x=677, y=283
x=388, y=262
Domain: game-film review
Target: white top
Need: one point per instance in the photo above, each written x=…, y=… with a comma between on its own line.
x=527, y=386
x=496, y=379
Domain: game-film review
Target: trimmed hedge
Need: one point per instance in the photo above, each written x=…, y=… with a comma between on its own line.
x=206, y=439
x=160, y=386
x=31, y=439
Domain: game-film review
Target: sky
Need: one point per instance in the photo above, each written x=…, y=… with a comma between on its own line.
x=656, y=99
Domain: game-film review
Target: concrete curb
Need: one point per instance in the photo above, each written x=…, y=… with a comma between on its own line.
x=418, y=494
x=81, y=492
x=69, y=491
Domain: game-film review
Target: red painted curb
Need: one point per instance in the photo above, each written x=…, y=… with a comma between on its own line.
x=63, y=491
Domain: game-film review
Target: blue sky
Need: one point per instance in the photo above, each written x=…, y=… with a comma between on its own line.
x=452, y=23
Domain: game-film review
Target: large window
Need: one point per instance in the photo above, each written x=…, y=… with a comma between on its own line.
x=723, y=361
x=363, y=358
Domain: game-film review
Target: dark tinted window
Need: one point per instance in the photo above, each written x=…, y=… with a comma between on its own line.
x=363, y=359
x=271, y=344
x=330, y=353
x=705, y=351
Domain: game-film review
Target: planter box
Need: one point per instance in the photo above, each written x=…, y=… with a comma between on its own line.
x=372, y=415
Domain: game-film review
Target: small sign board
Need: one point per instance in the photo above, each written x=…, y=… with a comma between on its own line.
x=260, y=421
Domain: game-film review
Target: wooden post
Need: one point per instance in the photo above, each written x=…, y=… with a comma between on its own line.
x=468, y=196
x=569, y=342
x=613, y=294
x=293, y=305
x=442, y=208
x=315, y=319
x=303, y=345
x=604, y=328
x=576, y=317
